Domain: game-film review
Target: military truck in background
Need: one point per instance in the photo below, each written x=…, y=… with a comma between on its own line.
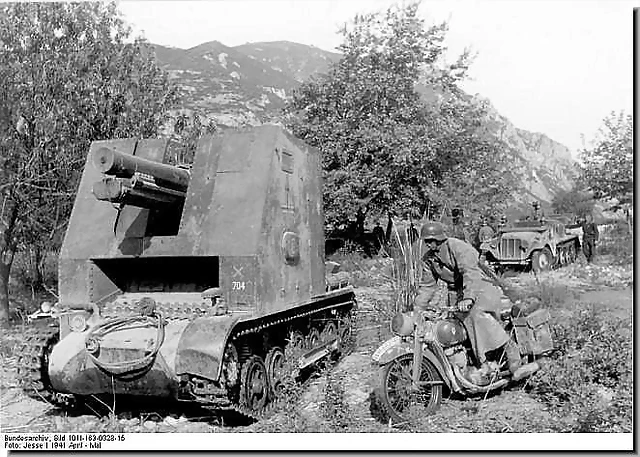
x=539, y=244
x=204, y=284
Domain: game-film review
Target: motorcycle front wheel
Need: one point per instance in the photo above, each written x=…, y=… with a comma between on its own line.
x=400, y=400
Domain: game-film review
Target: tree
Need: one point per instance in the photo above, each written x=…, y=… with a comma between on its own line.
x=576, y=201
x=608, y=165
x=70, y=75
x=187, y=131
x=385, y=145
x=607, y=168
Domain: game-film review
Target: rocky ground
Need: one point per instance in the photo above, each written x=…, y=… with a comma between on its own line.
x=340, y=398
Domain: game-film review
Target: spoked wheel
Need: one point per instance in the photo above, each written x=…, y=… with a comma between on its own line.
x=275, y=371
x=399, y=398
x=254, y=389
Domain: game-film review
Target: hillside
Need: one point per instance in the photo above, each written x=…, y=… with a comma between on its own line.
x=250, y=84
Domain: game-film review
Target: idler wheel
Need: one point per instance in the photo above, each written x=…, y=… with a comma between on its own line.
x=275, y=371
x=254, y=390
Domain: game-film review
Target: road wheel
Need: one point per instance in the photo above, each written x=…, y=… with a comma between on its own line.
x=542, y=260
x=573, y=253
x=275, y=371
x=399, y=399
x=312, y=339
x=254, y=389
x=562, y=256
x=329, y=332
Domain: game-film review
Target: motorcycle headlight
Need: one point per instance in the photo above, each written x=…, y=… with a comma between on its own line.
x=402, y=324
x=77, y=322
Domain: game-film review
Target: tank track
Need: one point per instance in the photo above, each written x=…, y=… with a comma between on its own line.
x=33, y=363
x=567, y=253
x=272, y=406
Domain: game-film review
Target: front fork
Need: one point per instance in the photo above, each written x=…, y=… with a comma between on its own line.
x=417, y=361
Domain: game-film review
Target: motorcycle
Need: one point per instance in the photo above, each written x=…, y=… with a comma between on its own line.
x=431, y=352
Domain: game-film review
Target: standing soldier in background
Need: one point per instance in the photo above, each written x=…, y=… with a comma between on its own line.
x=485, y=234
x=536, y=211
x=458, y=230
x=378, y=236
x=590, y=235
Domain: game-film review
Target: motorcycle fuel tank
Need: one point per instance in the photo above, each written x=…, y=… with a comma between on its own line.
x=450, y=332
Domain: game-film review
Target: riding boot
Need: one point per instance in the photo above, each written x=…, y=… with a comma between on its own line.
x=518, y=371
x=512, y=351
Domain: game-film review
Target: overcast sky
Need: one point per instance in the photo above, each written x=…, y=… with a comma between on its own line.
x=556, y=67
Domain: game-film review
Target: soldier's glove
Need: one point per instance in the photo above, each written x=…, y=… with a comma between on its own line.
x=465, y=305
x=430, y=314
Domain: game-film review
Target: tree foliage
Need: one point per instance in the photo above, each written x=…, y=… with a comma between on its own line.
x=608, y=164
x=395, y=131
x=576, y=201
x=71, y=75
x=187, y=131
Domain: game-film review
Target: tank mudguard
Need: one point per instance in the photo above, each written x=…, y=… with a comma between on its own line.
x=202, y=345
x=402, y=348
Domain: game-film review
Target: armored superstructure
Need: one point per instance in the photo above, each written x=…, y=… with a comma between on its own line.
x=196, y=283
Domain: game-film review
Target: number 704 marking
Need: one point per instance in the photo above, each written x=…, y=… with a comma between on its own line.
x=238, y=285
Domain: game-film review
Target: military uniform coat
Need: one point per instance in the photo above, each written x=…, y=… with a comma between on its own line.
x=456, y=263
x=590, y=235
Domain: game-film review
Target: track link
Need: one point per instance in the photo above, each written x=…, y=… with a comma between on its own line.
x=274, y=404
x=33, y=361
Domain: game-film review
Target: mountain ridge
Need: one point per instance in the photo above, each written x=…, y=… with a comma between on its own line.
x=249, y=84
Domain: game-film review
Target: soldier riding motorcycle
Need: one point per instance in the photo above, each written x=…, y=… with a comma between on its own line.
x=475, y=344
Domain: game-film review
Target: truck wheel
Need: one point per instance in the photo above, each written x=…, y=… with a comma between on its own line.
x=542, y=260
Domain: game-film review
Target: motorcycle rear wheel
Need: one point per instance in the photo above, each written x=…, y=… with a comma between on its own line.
x=399, y=401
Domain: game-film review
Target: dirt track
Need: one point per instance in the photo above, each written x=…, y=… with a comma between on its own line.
x=510, y=411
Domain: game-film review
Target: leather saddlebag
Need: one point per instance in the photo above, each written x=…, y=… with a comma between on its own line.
x=533, y=333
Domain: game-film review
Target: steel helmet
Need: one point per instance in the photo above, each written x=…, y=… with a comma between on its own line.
x=433, y=231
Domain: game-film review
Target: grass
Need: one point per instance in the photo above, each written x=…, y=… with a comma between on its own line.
x=586, y=385
x=588, y=382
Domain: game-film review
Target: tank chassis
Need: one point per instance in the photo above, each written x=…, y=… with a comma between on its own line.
x=204, y=284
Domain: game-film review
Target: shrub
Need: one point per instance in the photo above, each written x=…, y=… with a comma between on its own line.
x=616, y=242
x=589, y=378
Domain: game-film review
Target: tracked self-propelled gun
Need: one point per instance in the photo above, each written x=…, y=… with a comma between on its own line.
x=205, y=284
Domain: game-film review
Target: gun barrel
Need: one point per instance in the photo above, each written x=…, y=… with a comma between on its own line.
x=121, y=165
x=136, y=191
